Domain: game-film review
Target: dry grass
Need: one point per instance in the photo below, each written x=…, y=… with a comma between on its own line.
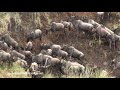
x=97, y=74
x=14, y=71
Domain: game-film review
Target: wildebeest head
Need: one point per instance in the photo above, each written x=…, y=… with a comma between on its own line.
x=65, y=47
x=46, y=46
x=72, y=18
x=30, y=36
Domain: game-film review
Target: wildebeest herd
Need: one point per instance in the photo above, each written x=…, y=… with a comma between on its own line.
x=53, y=55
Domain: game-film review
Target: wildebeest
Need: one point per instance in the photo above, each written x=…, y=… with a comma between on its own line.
x=34, y=67
x=22, y=63
x=50, y=46
x=113, y=39
x=94, y=23
x=34, y=35
x=34, y=70
x=3, y=46
x=115, y=64
x=100, y=15
x=52, y=61
x=79, y=25
x=73, y=52
x=28, y=56
x=14, y=53
x=57, y=27
x=102, y=32
x=107, y=34
x=56, y=47
x=67, y=24
x=46, y=46
x=103, y=16
x=10, y=41
x=60, y=53
x=117, y=31
x=72, y=67
x=29, y=46
x=54, y=65
x=43, y=51
x=5, y=57
x=27, y=53
x=40, y=58
x=49, y=52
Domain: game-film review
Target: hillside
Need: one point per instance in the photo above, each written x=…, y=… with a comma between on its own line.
x=18, y=23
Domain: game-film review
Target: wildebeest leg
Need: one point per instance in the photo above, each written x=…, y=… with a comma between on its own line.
x=46, y=32
x=67, y=34
x=94, y=36
x=110, y=43
x=40, y=38
x=65, y=31
x=78, y=33
x=99, y=40
x=114, y=44
x=69, y=27
x=27, y=40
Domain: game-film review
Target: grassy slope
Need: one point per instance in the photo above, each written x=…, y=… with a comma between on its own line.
x=40, y=20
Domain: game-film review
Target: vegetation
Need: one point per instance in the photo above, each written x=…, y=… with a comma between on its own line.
x=29, y=21
x=16, y=71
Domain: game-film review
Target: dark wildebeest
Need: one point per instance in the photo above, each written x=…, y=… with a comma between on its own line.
x=14, y=53
x=60, y=53
x=72, y=67
x=34, y=35
x=29, y=46
x=5, y=57
x=79, y=25
x=107, y=34
x=117, y=31
x=67, y=24
x=57, y=27
x=3, y=46
x=100, y=15
x=10, y=41
x=50, y=46
x=75, y=53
